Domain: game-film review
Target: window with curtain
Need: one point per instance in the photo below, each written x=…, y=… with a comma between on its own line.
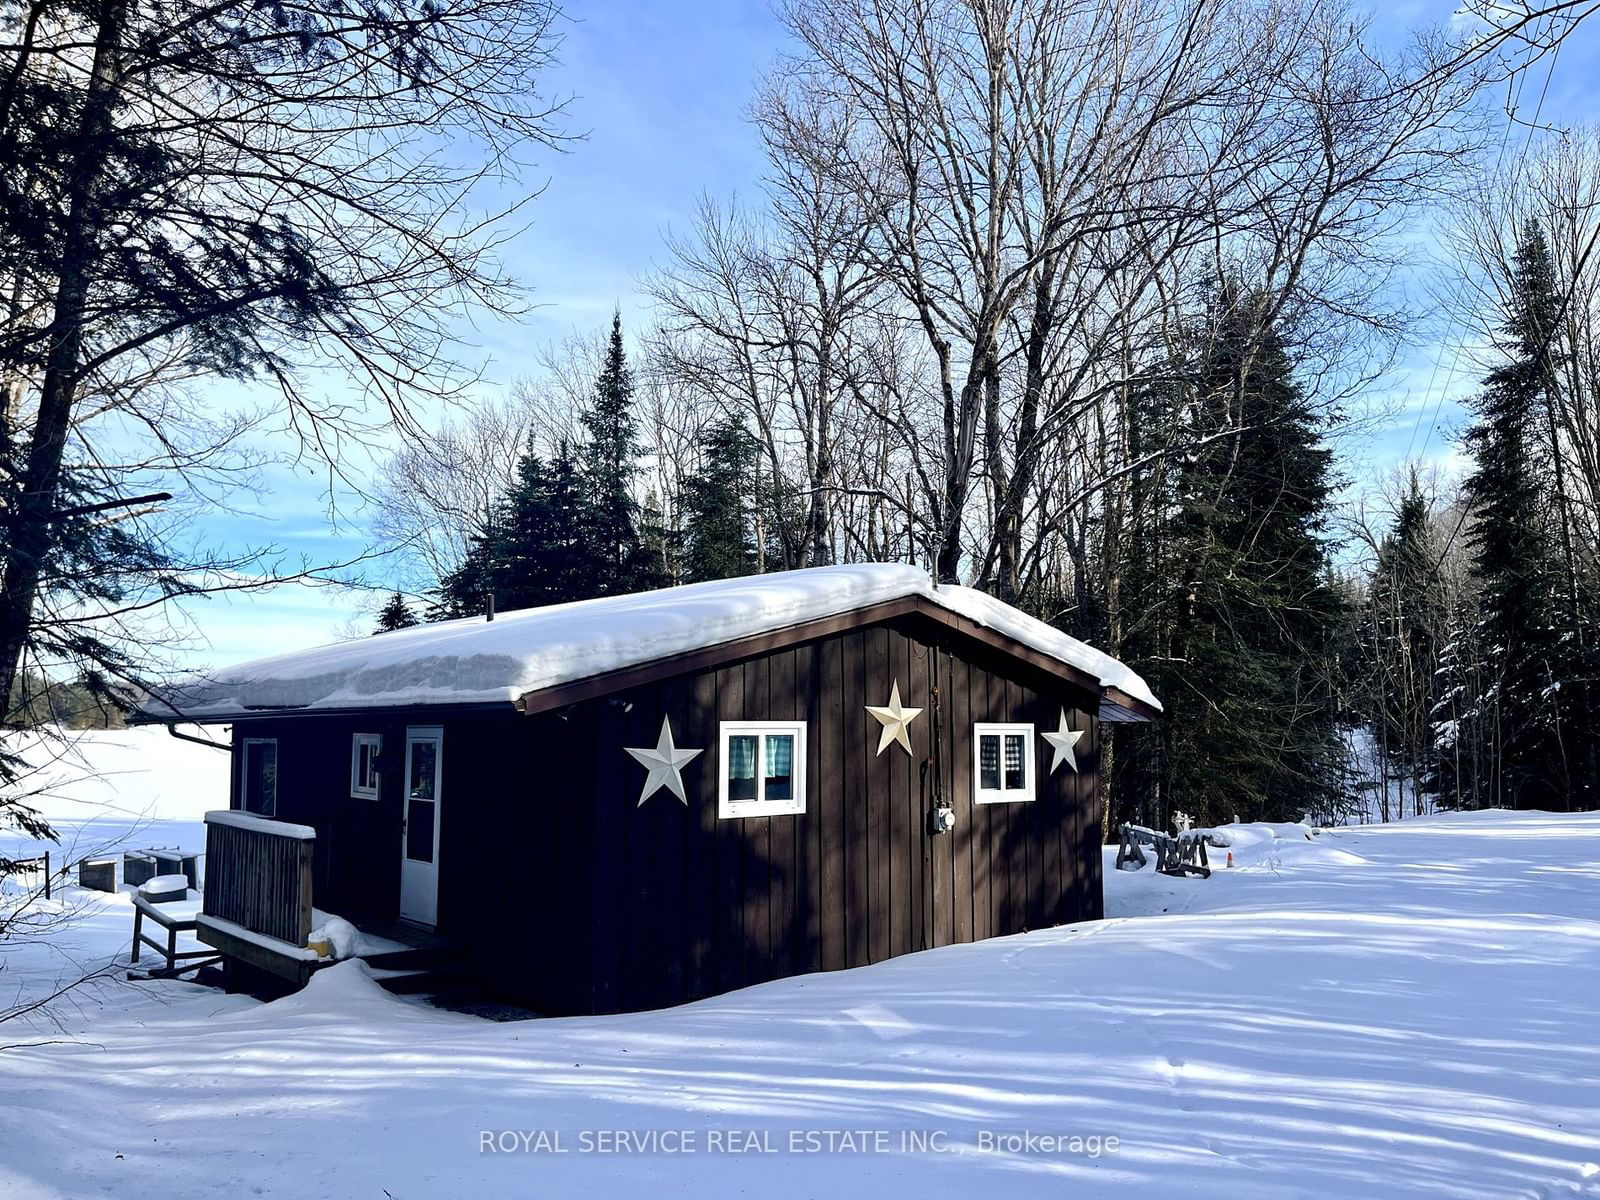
x=763, y=769
x=364, y=748
x=1002, y=766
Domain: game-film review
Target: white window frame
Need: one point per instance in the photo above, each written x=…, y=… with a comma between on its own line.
x=358, y=740
x=244, y=775
x=1030, y=778
x=761, y=807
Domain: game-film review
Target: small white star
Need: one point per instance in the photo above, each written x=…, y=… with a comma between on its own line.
x=1062, y=742
x=894, y=718
x=664, y=764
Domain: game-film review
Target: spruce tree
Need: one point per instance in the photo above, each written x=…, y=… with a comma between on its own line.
x=539, y=547
x=396, y=614
x=1145, y=576
x=465, y=591
x=1519, y=712
x=1238, y=617
x=610, y=465
x=719, y=541
x=1400, y=644
x=1459, y=759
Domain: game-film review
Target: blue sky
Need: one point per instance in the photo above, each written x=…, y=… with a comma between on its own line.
x=660, y=90
x=659, y=93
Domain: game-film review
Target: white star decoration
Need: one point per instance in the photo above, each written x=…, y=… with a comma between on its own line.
x=1062, y=742
x=894, y=718
x=664, y=764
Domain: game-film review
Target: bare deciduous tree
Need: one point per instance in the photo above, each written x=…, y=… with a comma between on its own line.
x=245, y=190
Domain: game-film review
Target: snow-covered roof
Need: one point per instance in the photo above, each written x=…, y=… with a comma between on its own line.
x=474, y=660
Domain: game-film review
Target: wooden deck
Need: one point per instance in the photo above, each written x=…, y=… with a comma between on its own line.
x=412, y=937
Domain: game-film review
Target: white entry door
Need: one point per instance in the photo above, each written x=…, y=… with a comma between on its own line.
x=419, y=836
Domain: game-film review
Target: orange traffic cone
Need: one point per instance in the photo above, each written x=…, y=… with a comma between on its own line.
x=1230, y=858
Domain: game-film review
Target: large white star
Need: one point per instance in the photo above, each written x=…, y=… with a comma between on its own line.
x=664, y=764
x=894, y=718
x=1062, y=742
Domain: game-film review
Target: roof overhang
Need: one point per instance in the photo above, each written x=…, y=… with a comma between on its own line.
x=1111, y=704
x=280, y=712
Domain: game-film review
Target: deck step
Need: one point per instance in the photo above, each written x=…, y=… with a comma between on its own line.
x=423, y=983
x=414, y=958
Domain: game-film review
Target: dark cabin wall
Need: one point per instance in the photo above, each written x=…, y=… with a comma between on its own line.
x=569, y=896
x=356, y=860
x=681, y=904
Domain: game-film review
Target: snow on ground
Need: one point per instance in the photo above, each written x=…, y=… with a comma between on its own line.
x=1384, y=789
x=1383, y=1011
x=105, y=790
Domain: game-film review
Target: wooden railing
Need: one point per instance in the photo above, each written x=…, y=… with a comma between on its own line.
x=258, y=875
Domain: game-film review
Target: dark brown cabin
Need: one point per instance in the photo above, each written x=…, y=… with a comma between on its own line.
x=521, y=831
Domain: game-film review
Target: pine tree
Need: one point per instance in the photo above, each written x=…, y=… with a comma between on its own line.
x=569, y=527
x=1519, y=712
x=396, y=614
x=719, y=541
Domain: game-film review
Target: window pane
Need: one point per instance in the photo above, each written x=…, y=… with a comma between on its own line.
x=1014, y=748
x=989, y=761
x=424, y=766
x=367, y=766
x=261, y=777
x=742, y=766
x=780, y=766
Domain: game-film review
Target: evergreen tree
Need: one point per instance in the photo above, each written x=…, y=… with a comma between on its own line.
x=719, y=541
x=1234, y=611
x=537, y=549
x=543, y=552
x=465, y=591
x=569, y=527
x=1518, y=714
x=623, y=563
x=1145, y=593
x=1400, y=644
x=396, y=614
x=1460, y=760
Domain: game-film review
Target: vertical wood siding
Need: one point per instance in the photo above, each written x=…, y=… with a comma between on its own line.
x=569, y=896
x=686, y=905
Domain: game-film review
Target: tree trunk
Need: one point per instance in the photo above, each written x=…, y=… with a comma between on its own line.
x=29, y=526
x=961, y=429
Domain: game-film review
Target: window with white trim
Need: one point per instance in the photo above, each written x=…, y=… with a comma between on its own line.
x=258, y=778
x=364, y=751
x=1002, y=763
x=763, y=769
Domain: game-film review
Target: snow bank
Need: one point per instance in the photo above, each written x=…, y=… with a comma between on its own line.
x=477, y=661
x=1269, y=844
x=1263, y=853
